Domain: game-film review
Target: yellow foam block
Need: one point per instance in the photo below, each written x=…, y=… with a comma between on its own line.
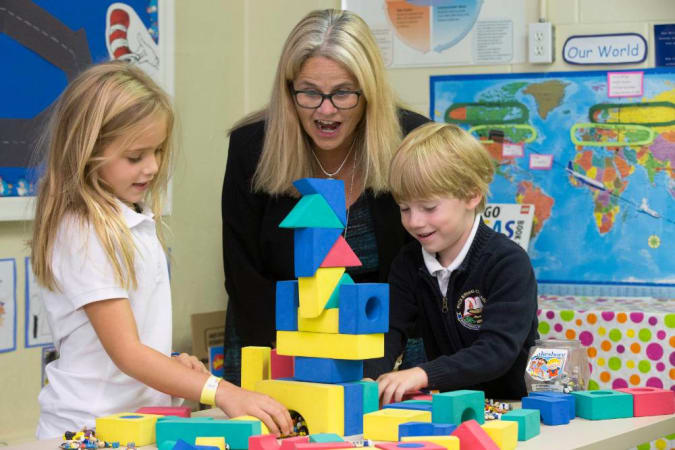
x=211, y=442
x=329, y=345
x=449, y=442
x=326, y=322
x=315, y=291
x=255, y=366
x=503, y=432
x=127, y=427
x=382, y=425
x=322, y=405
x=263, y=427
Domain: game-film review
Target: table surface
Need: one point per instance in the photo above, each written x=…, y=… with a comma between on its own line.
x=578, y=434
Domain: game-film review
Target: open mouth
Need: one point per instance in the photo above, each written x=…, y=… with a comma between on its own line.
x=141, y=185
x=327, y=126
x=425, y=235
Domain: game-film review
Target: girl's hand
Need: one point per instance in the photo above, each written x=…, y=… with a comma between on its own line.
x=191, y=362
x=393, y=385
x=236, y=402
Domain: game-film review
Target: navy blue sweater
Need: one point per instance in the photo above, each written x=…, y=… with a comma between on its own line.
x=477, y=335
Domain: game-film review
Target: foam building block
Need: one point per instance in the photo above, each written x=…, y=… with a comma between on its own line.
x=528, y=422
x=312, y=211
x=127, y=427
x=600, y=405
x=311, y=246
x=326, y=345
x=215, y=441
x=281, y=366
x=448, y=442
x=353, y=408
x=649, y=401
x=341, y=255
x=315, y=291
x=326, y=322
x=472, y=436
x=553, y=411
x=287, y=301
x=505, y=434
x=458, y=406
x=179, y=411
x=263, y=427
x=371, y=400
x=323, y=445
x=334, y=299
x=255, y=366
x=412, y=429
x=327, y=370
x=290, y=443
x=419, y=405
x=569, y=398
x=263, y=442
x=235, y=432
x=383, y=425
x=322, y=438
x=364, y=308
x=333, y=191
x=322, y=405
x=416, y=395
x=175, y=445
x=409, y=445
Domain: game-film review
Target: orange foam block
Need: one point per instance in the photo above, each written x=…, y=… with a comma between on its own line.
x=649, y=401
x=341, y=255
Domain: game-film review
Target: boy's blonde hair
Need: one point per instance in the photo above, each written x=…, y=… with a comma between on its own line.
x=345, y=38
x=103, y=104
x=439, y=159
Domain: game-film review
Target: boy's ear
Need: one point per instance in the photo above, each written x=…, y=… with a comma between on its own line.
x=473, y=202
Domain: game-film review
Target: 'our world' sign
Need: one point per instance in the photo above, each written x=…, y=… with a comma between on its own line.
x=624, y=48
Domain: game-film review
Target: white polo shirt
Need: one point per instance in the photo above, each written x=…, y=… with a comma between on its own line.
x=84, y=383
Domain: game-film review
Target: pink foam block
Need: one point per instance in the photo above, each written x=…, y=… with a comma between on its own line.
x=411, y=445
x=649, y=401
x=341, y=255
x=290, y=443
x=323, y=445
x=263, y=442
x=415, y=395
x=473, y=437
x=180, y=411
x=281, y=366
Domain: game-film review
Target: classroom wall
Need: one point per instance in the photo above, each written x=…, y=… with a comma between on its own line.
x=226, y=54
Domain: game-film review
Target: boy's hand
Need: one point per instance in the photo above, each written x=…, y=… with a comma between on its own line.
x=393, y=385
x=191, y=362
x=236, y=402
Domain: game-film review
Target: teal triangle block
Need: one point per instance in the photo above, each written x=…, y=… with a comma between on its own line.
x=312, y=211
x=334, y=299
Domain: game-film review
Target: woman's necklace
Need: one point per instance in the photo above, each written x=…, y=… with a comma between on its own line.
x=328, y=174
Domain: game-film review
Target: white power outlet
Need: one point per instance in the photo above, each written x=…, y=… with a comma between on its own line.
x=540, y=43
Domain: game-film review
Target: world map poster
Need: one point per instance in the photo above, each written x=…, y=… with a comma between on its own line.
x=598, y=170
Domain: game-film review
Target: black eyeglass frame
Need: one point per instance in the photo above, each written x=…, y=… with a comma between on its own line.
x=295, y=93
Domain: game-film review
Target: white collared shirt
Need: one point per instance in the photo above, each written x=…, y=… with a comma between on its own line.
x=443, y=273
x=84, y=383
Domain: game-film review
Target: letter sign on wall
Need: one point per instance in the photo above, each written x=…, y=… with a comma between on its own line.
x=623, y=48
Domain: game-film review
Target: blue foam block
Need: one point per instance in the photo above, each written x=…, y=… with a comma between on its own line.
x=311, y=245
x=364, y=308
x=553, y=411
x=332, y=190
x=327, y=370
x=353, y=398
x=287, y=305
x=569, y=398
x=415, y=405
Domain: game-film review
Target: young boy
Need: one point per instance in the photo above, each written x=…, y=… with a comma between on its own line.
x=472, y=291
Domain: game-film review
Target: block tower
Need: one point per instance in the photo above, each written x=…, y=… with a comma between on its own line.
x=328, y=323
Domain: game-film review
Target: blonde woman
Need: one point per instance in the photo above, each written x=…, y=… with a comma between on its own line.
x=332, y=114
x=101, y=265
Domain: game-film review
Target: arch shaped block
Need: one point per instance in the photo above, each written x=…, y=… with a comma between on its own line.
x=458, y=406
x=364, y=308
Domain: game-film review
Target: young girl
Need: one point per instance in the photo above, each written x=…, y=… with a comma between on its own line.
x=99, y=258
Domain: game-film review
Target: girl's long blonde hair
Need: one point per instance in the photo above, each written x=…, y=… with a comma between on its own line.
x=286, y=156
x=104, y=103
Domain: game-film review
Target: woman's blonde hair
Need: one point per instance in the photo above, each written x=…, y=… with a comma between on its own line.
x=439, y=159
x=103, y=104
x=345, y=38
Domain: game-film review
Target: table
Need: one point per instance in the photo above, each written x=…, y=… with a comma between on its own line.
x=629, y=341
x=578, y=434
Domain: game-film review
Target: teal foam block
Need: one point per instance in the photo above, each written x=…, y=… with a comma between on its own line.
x=311, y=211
x=456, y=407
x=528, y=420
x=371, y=399
x=600, y=405
x=236, y=432
x=325, y=437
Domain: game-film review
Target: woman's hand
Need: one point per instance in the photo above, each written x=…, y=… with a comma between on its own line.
x=236, y=402
x=191, y=362
x=393, y=385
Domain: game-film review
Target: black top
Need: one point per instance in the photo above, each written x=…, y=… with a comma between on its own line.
x=466, y=348
x=257, y=253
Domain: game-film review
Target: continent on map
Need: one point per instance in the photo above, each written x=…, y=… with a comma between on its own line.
x=547, y=94
x=530, y=194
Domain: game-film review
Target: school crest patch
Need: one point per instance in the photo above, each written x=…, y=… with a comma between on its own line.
x=469, y=309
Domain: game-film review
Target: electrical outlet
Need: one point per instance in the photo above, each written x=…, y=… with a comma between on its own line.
x=540, y=43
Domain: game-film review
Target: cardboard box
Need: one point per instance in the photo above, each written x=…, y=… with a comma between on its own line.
x=208, y=330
